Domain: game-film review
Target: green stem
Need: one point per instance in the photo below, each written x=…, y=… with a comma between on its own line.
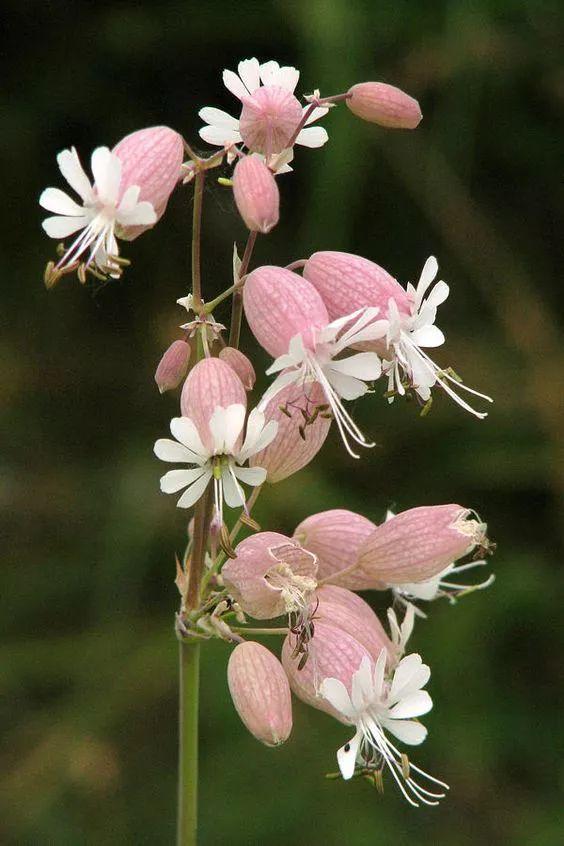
x=188, y=700
x=197, y=240
x=265, y=631
x=237, y=303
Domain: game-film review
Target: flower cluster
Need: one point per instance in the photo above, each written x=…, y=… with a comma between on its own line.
x=333, y=330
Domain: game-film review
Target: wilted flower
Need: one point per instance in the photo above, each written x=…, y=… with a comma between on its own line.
x=260, y=692
x=270, y=113
x=375, y=704
x=289, y=319
x=384, y=104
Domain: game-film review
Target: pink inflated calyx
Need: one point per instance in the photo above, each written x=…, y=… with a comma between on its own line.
x=242, y=366
x=272, y=575
x=335, y=536
x=302, y=431
x=347, y=282
x=386, y=105
x=260, y=692
x=279, y=305
x=210, y=384
x=256, y=194
x=333, y=653
x=151, y=158
x=173, y=365
x=269, y=119
x=344, y=609
x=417, y=545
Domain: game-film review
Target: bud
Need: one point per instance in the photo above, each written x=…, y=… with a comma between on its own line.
x=347, y=611
x=416, y=545
x=151, y=158
x=210, y=383
x=333, y=654
x=347, y=282
x=172, y=367
x=280, y=304
x=335, y=536
x=302, y=430
x=239, y=362
x=385, y=105
x=268, y=119
x=256, y=194
x=260, y=692
x=272, y=575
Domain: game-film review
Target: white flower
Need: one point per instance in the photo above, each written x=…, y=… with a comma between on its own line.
x=223, y=463
x=377, y=704
x=440, y=586
x=223, y=130
x=408, y=334
x=100, y=213
x=400, y=634
x=340, y=378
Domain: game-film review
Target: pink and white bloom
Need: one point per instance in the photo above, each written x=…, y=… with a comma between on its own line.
x=378, y=703
x=288, y=318
x=221, y=458
x=270, y=112
x=335, y=536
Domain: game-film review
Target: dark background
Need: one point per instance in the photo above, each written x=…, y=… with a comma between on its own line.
x=88, y=660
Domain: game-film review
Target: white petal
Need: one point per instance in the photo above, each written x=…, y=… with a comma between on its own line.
x=410, y=675
x=347, y=387
x=287, y=78
x=55, y=200
x=217, y=117
x=428, y=336
x=195, y=491
x=346, y=756
x=234, y=84
x=233, y=494
x=61, y=227
x=185, y=431
x=362, y=689
x=250, y=475
x=142, y=215
x=363, y=365
x=430, y=270
x=226, y=425
x=129, y=199
x=73, y=172
x=248, y=71
x=317, y=113
x=439, y=294
x=335, y=692
x=407, y=731
x=106, y=169
x=280, y=382
x=219, y=135
x=175, y=480
x=168, y=450
x=379, y=673
x=414, y=705
x=314, y=136
x=258, y=436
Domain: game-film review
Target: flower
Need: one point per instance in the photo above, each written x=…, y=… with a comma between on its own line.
x=288, y=318
x=256, y=194
x=335, y=536
x=104, y=208
x=270, y=112
x=221, y=461
x=384, y=104
x=439, y=586
x=378, y=703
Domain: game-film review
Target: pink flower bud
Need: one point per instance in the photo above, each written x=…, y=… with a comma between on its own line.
x=239, y=362
x=333, y=653
x=335, y=536
x=280, y=304
x=260, y=692
x=256, y=194
x=272, y=575
x=210, y=383
x=151, y=158
x=416, y=545
x=296, y=443
x=347, y=282
x=268, y=119
x=385, y=105
x=172, y=367
x=347, y=611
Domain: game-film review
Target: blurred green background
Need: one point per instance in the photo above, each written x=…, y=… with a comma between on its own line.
x=88, y=662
